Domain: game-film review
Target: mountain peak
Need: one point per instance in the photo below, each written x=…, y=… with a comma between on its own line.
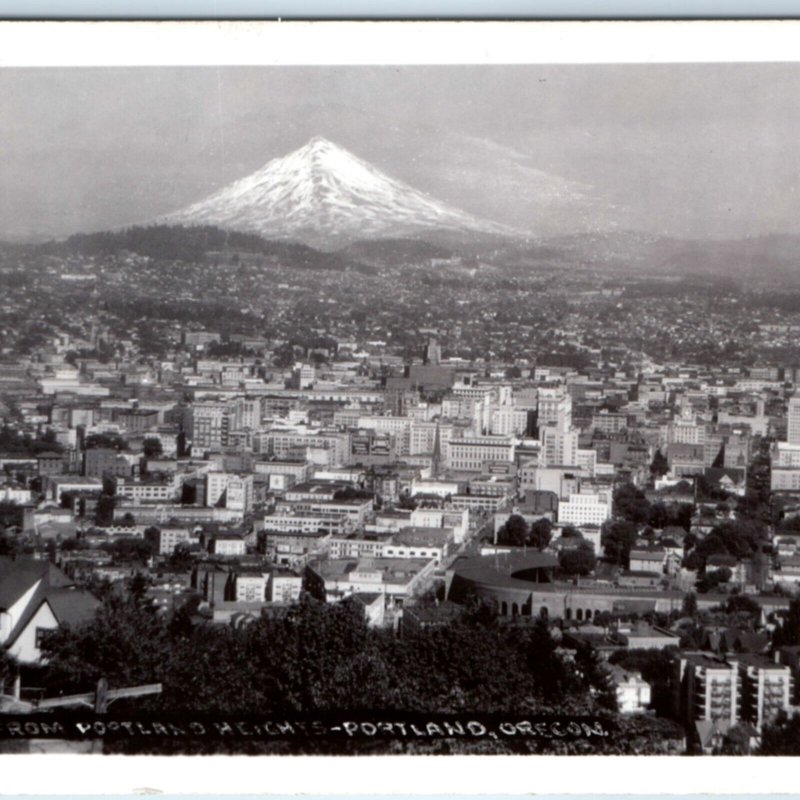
x=320, y=143
x=323, y=195
x=316, y=147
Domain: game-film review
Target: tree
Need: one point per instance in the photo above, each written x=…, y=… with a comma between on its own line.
x=152, y=447
x=284, y=356
x=351, y=493
x=9, y=545
x=104, y=511
x=130, y=548
x=481, y=612
x=111, y=441
x=713, y=578
x=694, y=562
x=647, y=533
x=11, y=515
x=659, y=466
x=138, y=588
x=578, y=561
x=513, y=532
x=604, y=619
x=631, y=504
x=549, y=672
x=8, y=669
x=181, y=559
x=781, y=737
x=125, y=643
x=541, y=533
x=681, y=515
x=736, y=742
x=618, y=538
x=740, y=539
x=788, y=632
x=689, y=605
x=741, y=603
x=595, y=676
x=12, y=442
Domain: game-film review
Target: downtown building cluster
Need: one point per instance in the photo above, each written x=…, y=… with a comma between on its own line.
x=353, y=474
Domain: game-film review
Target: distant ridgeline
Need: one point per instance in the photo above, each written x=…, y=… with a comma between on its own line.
x=195, y=243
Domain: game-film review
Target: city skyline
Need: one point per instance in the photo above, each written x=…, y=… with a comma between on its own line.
x=418, y=410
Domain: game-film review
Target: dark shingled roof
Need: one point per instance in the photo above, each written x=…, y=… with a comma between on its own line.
x=17, y=576
x=69, y=604
x=72, y=606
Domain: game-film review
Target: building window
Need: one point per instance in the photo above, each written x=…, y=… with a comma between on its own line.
x=40, y=635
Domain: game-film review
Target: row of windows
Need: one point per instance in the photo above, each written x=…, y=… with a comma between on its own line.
x=524, y=609
x=132, y=494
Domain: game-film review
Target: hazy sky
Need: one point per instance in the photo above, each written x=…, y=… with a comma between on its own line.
x=687, y=151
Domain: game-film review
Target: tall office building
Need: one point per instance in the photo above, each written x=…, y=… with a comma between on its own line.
x=793, y=420
x=555, y=405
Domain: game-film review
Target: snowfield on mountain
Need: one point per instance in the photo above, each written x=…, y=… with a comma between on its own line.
x=323, y=195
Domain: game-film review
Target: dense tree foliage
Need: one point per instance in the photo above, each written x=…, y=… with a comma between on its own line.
x=104, y=511
x=516, y=532
x=540, y=534
x=351, y=493
x=316, y=657
x=181, y=558
x=130, y=548
x=228, y=349
x=192, y=243
x=11, y=514
x=8, y=669
x=580, y=560
x=15, y=443
x=594, y=673
x=630, y=504
x=781, y=737
x=689, y=605
x=712, y=579
x=736, y=742
x=659, y=466
x=744, y=604
x=618, y=538
x=152, y=447
x=787, y=631
x=109, y=441
x=677, y=515
x=740, y=539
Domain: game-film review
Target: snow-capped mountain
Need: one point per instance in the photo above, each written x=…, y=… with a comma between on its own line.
x=323, y=195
